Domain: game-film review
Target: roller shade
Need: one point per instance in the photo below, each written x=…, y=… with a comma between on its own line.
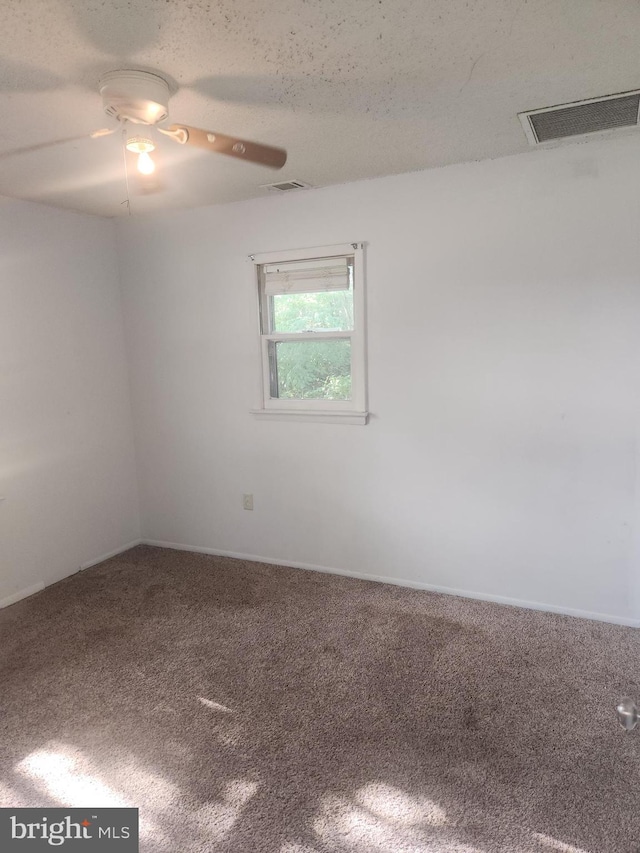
x=307, y=276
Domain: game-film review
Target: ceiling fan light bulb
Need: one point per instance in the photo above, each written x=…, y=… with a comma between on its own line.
x=145, y=164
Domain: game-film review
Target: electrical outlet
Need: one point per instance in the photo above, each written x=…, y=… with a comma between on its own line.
x=247, y=501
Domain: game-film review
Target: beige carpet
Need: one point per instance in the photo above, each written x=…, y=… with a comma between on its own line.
x=246, y=707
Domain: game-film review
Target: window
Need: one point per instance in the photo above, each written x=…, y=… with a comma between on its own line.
x=312, y=334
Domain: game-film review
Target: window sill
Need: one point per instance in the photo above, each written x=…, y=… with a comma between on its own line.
x=324, y=417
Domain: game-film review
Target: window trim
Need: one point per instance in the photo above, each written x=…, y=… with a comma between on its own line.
x=353, y=411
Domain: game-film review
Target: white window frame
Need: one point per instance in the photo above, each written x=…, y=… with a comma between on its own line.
x=353, y=411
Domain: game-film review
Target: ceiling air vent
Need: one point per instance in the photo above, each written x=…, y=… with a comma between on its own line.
x=286, y=186
x=581, y=118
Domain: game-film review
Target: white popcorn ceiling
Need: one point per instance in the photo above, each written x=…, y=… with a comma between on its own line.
x=351, y=88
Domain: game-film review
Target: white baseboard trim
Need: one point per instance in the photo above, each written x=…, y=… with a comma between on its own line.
x=111, y=554
x=38, y=587
x=23, y=593
x=444, y=590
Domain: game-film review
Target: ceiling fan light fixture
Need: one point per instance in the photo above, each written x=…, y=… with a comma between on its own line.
x=142, y=146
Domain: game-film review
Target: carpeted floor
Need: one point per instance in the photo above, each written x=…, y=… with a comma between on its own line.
x=246, y=707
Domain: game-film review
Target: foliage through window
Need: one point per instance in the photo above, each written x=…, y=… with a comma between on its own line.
x=311, y=324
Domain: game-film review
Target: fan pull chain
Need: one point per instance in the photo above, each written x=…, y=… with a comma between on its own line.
x=126, y=167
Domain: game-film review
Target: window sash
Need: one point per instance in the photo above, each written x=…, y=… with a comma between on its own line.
x=308, y=336
x=271, y=342
x=268, y=378
x=268, y=318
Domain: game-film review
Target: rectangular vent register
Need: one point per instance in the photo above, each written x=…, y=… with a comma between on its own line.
x=582, y=118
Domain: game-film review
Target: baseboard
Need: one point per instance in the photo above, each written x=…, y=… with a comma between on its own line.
x=444, y=590
x=23, y=593
x=111, y=554
x=38, y=587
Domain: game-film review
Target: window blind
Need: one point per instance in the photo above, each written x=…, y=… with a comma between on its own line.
x=307, y=276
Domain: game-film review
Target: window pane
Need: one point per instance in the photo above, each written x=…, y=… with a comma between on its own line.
x=311, y=370
x=325, y=311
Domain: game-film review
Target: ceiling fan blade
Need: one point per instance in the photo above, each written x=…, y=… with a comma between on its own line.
x=41, y=146
x=21, y=77
x=255, y=152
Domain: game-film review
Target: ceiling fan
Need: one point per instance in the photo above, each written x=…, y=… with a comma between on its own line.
x=142, y=98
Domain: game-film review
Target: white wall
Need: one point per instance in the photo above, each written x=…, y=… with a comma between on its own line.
x=503, y=308
x=67, y=469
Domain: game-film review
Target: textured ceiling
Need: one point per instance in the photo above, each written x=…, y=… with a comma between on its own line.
x=351, y=88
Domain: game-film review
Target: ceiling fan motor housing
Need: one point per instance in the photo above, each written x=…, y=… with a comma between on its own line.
x=137, y=96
